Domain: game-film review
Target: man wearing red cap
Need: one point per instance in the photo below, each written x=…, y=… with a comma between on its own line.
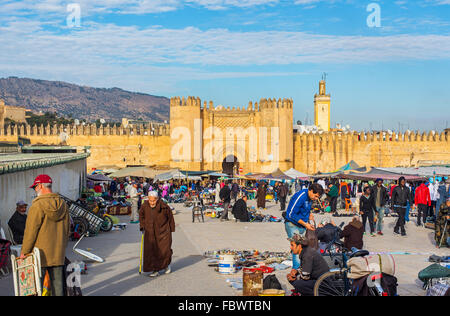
x=47, y=228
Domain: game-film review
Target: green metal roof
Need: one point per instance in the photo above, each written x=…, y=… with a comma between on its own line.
x=11, y=163
x=48, y=147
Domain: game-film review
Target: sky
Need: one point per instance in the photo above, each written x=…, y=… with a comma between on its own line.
x=387, y=62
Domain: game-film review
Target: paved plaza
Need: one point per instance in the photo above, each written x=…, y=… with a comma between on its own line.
x=118, y=275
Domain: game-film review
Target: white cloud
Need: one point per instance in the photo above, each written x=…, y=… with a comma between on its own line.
x=25, y=42
x=99, y=53
x=52, y=7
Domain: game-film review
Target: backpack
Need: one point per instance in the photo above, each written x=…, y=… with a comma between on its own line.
x=389, y=284
x=4, y=252
x=271, y=283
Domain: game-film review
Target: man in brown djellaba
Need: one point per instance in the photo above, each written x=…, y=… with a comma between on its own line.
x=157, y=224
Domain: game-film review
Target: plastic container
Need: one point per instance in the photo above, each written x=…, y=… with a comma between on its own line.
x=227, y=264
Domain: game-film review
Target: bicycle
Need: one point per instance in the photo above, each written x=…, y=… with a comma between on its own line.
x=336, y=282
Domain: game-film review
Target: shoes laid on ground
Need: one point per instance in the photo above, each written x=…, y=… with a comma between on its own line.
x=154, y=274
x=168, y=270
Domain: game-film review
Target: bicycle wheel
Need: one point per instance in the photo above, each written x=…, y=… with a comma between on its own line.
x=107, y=224
x=81, y=224
x=331, y=284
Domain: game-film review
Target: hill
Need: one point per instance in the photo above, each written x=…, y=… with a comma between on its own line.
x=82, y=102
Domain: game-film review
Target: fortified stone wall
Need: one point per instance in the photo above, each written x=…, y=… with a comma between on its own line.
x=109, y=145
x=311, y=153
x=248, y=133
x=330, y=151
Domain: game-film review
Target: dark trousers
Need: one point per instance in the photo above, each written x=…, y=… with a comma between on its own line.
x=56, y=275
x=431, y=209
x=368, y=215
x=226, y=205
x=283, y=203
x=400, y=225
x=333, y=204
x=304, y=287
x=422, y=210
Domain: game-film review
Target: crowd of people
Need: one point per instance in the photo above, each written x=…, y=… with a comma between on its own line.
x=47, y=224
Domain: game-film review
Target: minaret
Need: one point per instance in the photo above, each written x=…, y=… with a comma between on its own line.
x=322, y=108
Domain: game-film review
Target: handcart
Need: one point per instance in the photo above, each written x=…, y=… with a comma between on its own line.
x=76, y=212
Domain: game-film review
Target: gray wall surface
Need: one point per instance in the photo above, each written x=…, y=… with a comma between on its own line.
x=68, y=180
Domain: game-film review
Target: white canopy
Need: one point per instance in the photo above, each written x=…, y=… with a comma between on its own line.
x=296, y=174
x=174, y=175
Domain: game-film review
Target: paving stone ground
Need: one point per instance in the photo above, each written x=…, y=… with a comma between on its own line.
x=191, y=274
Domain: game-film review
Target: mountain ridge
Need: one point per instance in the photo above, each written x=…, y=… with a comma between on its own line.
x=83, y=102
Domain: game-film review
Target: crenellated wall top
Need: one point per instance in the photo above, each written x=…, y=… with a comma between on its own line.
x=57, y=130
x=209, y=106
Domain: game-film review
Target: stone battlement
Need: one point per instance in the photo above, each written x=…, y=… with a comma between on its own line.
x=196, y=102
x=164, y=130
x=376, y=137
x=85, y=130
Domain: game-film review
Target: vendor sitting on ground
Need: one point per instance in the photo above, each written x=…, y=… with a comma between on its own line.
x=353, y=234
x=442, y=232
x=312, y=267
x=326, y=233
x=18, y=221
x=240, y=211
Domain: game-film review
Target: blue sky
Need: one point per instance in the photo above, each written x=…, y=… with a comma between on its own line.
x=235, y=51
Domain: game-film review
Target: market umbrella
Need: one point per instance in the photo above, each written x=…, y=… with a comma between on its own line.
x=375, y=173
x=107, y=169
x=296, y=174
x=280, y=175
x=98, y=178
x=256, y=176
x=218, y=174
x=140, y=172
x=175, y=175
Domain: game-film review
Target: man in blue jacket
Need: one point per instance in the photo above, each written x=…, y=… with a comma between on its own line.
x=298, y=214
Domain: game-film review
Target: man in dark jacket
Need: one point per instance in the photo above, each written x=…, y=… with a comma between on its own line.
x=381, y=197
x=312, y=267
x=225, y=197
x=17, y=222
x=234, y=191
x=326, y=233
x=240, y=211
x=282, y=193
x=400, y=198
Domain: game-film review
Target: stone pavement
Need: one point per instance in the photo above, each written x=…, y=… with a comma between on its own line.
x=191, y=274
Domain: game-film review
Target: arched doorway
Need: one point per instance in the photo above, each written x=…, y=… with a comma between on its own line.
x=230, y=165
